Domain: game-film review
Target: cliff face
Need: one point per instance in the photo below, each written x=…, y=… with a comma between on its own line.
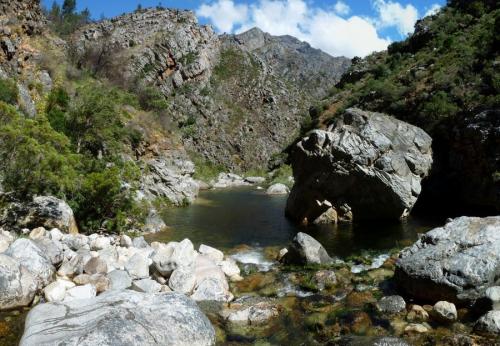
x=236, y=100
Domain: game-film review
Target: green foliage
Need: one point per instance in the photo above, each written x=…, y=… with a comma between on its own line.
x=151, y=99
x=205, y=170
x=8, y=91
x=66, y=20
x=282, y=175
x=56, y=108
x=442, y=71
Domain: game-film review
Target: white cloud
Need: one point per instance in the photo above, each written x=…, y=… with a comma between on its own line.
x=324, y=29
x=432, y=10
x=393, y=14
x=341, y=8
x=224, y=14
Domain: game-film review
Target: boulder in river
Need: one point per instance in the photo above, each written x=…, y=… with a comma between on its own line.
x=43, y=211
x=304, y=249
x=369, y=164
x=455, y=263
x=120, y=318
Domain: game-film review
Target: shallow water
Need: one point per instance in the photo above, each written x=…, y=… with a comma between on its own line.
x=246, y=216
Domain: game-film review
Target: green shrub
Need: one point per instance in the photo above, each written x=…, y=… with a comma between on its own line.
x=151, y=99
x=8, y=91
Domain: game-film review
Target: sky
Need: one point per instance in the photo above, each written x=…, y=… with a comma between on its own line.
x=339, y=27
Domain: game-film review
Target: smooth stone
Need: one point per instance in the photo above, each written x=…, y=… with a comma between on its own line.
x=99, y=281
x=37, y=233
x=212, y=289
x=17, y=284
x=80, y=292
x=304, y=249
x=278, y=189
x=489, y=324
x=138, y=267
x=140, y=242
x=445, y=312
x=146, y=286
x=391, y=304
x=95, y=266
x=216, y=255
x=119, y=280
x=56, y=291
x=182, y=280
x=120, y=318
x=126, y=241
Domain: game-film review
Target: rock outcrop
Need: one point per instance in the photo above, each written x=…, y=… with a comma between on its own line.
x=304, y=249
x=237, y=100
x=43, y=211
x=120, y=318
x=368, y=164
x=17, y=284
x=455, y=263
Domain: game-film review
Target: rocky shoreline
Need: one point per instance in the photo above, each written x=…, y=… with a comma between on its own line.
x=91, y=286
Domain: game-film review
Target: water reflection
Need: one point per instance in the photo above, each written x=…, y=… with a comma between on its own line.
x=228, y=218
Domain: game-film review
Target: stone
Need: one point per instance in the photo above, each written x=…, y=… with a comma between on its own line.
x=445, y=312
x=56, y=291
x=304, y=249
x=75, y=241
x=230, y=268
x=17, y=284
x=391, y=304
x=95, y=266
x=140, y=243
x=100, y=243
x=153, y=223
x=489, y=324
x=492, y=294
x=328, y=217
x=74, y=265
x=43, y=211
x=80, y=292
x=324, y=279
x=173, y=255
x=252, y=313
x=416, y=328
x=125, y=241
x=216, y=255
x=454, y=263
x=119, y=280
x=255, y=180
x=278, y=189
x=37, y=233
x=371, y=162
x=146, y=286
x=225, y=180
x=138, y=267
x=212, y=289
x=55, y=234
x=418, y=314
x=34, y=259
x=183, y=280
x=53, y=250
x=99, y=281
x=168, y=319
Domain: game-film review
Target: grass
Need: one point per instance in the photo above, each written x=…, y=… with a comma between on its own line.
x=204, y=169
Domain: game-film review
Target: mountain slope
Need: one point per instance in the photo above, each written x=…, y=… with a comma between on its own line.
x=445, y=78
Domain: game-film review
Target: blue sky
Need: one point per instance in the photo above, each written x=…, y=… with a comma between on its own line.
x=339, y=27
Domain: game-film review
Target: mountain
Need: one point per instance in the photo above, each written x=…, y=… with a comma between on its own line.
x=237, y=99
x=445, y=79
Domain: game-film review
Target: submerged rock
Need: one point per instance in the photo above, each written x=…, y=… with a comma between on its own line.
x=391, y=304
x=278, y=189
x=304, y=249
x=489, y=324
x=456, y=263
x=120, y=318
x=368, y=164
x=445, y=312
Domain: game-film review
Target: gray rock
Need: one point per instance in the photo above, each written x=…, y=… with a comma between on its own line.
x=154, y=223
x=95, y=266
x=445, y=312
x=278, y=189
x=371, y=341
x=43, y=211
x=489, y=324
x=74, y=265
x=324, y=279
x=86, y=291
x=304, y=249
x=148, y=319
x=138, y=267
x=455, y=263
x=371, y=162
x=17, y=284
x=182, y=280
x=493, y=296
x=146, y=286
x=99, y=281
x=391, y=304
x=53, y=250
x=212, y=289
x=75, y=241
x=33, y=258
x=119, y=280
x=140, y=243
x=26, y=102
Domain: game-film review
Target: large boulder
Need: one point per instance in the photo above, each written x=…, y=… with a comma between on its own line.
x=17, y=284
x=455, y=263
x=304, y=249
x=368, y=164
x=43, y=211
x=34, y=259
x=120, y=318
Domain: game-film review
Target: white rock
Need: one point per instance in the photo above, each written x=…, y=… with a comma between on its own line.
x=55, y=234
x=138, y=267
x=230, y=268
x=125, y=241
x=278, y=189
x=38, y=233
x=119, y=280
x=80, y=292
x=56, y=291
x=212, y=290
x=182, y=280
x=445, y=311
x=146, y=286
x=100, y=243
x=216, y=255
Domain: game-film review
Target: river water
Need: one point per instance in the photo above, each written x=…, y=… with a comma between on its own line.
x=228, y=218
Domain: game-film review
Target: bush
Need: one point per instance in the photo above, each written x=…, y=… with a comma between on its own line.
x=8, y=91
x=151, y=99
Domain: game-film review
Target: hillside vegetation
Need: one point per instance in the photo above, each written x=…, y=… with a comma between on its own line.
x=439, y=79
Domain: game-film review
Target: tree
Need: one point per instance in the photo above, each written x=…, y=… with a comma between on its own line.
x=68, y=8
x=55, y=12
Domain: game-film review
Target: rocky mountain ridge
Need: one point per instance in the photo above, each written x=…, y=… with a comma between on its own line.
x=238, y=100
